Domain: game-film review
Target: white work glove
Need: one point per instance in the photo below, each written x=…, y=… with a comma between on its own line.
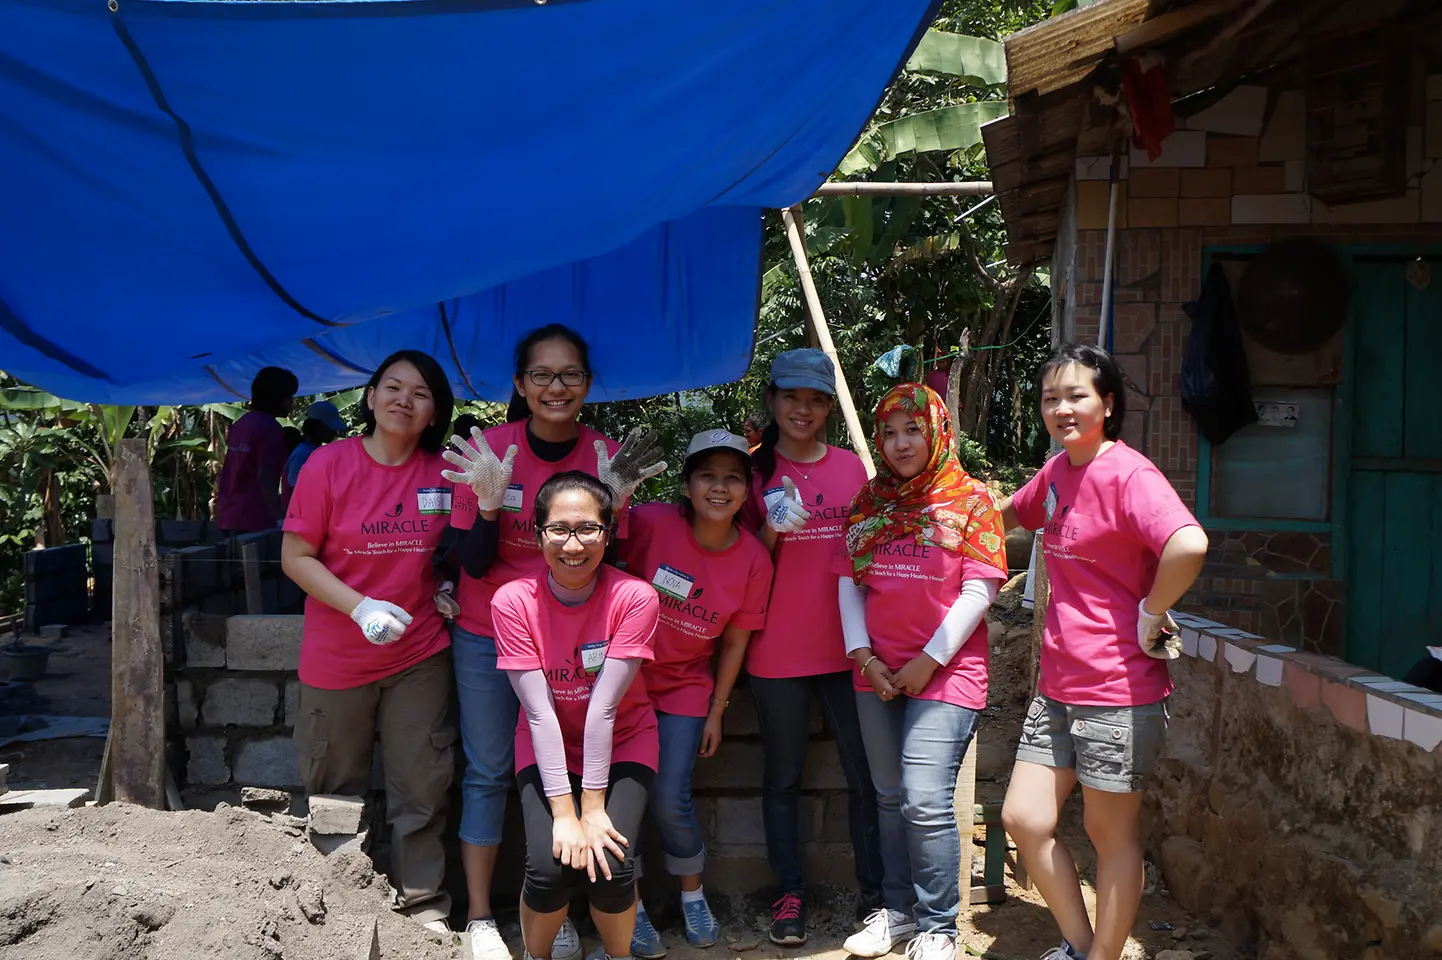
x=480, y=469
x=784, y=512
x=381, y=622
x=638, y=460
x=445, y=603
x=1157, y=634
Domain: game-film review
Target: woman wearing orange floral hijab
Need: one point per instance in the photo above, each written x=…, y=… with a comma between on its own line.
x=925, y=553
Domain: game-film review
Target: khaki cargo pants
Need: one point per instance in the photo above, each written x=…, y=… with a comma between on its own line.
x=334, y=734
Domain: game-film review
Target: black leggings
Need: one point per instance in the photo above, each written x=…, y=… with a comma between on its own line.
x=549, y=886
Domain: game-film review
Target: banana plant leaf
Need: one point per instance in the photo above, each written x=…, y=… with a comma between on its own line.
x=976, y=60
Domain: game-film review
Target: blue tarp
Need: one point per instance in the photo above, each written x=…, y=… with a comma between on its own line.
x=191, y=190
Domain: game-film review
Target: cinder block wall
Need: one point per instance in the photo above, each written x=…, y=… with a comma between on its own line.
x=234, y=707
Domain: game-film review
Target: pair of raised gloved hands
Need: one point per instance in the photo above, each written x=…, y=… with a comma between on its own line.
x=489, y=476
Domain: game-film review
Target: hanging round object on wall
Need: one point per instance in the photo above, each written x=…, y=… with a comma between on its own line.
x=1292, y=298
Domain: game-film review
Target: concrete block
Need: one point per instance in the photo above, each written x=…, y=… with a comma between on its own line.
x=102, y=530
x=1278, y=208
x=292, y=701
x=179, y=533
x=1239, y=113
x=333, y=814
x=1204, y=212
x=64, y=798
x=265, y=799
x=263, y=642
x=1184, y=148
x=187, y=713
x=738, y=820
x=1286, y=135
x=244, y=703
x=736, y=766
x=268, y=762
x=207, y=761
x=823, y=768
x=55, y=631
x=204, y=639
x=1155, y=182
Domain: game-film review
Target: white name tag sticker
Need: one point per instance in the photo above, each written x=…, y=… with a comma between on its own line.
x=433, y=499
x=593, y=655
x=672, y=582
x=515, y=495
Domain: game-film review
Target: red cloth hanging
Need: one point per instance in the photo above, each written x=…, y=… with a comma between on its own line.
x=1149, y=101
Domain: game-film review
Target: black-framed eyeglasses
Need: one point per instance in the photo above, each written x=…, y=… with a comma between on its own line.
x=587, y=534
x=542, y=377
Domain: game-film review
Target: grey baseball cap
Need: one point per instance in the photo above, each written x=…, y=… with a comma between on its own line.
x=807, y=367
x=718, y=439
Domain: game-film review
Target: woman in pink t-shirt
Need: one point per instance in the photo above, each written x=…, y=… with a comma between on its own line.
x=714, y=581
x=800, y=494
x=925, y=552
x=572, y=638
x=248, y=491
x=498, y=474
x=1120, y=549
x=365, y=519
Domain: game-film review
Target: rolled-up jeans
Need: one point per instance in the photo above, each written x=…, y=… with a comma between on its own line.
x=671, y=806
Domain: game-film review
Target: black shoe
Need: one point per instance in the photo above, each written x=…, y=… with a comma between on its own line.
x=788, y=920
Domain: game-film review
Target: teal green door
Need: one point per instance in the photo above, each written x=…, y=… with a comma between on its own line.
x=1394, y=491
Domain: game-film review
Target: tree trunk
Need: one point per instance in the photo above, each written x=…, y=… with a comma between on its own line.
x=981, y=364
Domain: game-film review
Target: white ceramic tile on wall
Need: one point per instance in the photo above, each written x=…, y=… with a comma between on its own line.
x=1286, y=135
x=1189, y=641
x=1384, y=718
x=1185, y=148
x=1238, y=659
x=1207, y=647
x=1423, y=729
x=1240, y=113
x=1099, y=168
x=1269, y=671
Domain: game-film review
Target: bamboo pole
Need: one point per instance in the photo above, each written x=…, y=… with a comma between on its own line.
x=796, y=233
x=867, y=188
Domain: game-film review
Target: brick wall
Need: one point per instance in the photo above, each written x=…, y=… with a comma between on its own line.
x=233, y=707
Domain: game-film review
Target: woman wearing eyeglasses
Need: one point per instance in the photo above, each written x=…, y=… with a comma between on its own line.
x=497, y=476
x=571, y=637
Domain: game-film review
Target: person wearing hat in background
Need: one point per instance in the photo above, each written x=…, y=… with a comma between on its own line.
x=322, y=425
x=801, y=492
x=714, y=581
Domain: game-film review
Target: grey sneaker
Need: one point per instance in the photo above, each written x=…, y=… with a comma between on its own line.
x=485, y=940
x=568, y=943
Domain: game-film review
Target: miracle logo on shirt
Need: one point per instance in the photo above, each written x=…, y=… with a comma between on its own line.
x=1055, y=522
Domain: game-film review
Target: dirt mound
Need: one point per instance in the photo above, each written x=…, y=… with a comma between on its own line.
x=125, y=883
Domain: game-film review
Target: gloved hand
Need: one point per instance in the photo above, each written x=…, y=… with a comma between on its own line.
x=380, y=621
x=445, y=603
x=480, y=469
x=1157, y=634
x=638, y=460
x=784, y=512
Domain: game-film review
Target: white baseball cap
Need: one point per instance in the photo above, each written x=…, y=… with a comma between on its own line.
x=718, y=439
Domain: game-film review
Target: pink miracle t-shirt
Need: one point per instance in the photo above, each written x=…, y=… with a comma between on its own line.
x=1104, y=526
x=519, y=553
x=910, y=588
x=535, y=631
x=255, y=439
x=802, y=637
x=702, y=592
x=376, y=528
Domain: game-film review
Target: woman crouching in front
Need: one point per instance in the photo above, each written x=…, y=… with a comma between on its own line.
x=572, y=640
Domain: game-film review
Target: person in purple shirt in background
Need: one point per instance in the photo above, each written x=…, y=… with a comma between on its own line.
x=248, y=494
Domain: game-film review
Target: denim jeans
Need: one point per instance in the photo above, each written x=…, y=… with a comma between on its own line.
x=671, y=806
x=488, y=715
x=783, y=710
x=916, y=748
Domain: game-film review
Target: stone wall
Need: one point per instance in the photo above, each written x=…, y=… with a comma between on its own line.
x=1299, y=808
x=234, y=706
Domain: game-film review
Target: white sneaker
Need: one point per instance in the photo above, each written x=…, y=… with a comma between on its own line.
x=486, y=942
x=884, y=929
x=568, y=943
x=1057, y=953
x=931, y=946
x=440, y=928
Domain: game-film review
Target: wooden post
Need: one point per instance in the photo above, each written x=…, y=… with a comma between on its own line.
x=796, y=233
x=250, y=570
x=136, y=747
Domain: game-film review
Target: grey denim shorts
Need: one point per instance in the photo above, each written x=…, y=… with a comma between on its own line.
x=1111, y=748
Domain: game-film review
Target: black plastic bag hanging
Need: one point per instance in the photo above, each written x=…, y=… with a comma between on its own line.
x=1216, y=385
